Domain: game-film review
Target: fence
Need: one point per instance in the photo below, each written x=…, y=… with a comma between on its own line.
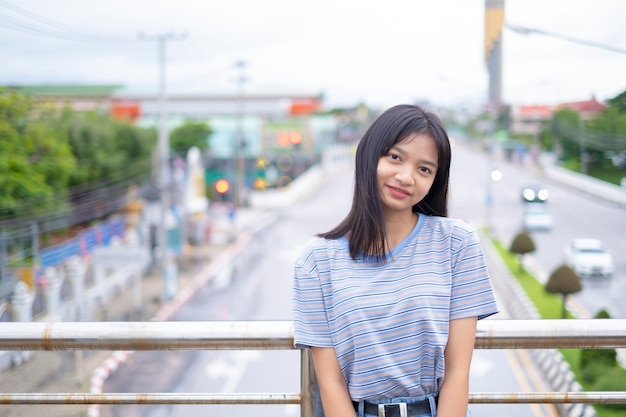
x=278, y=335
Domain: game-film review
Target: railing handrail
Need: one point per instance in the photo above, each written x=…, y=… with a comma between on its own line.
x=278, y=335
x=156, y=398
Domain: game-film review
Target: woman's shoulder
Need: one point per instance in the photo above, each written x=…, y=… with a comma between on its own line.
x=450, y=225
x=318, y=249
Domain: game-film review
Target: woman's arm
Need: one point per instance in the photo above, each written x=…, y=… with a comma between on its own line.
x=333, y=389
x=453, y=398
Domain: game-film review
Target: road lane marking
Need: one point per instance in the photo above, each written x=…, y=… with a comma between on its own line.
x=231, y=368
x=529, y=381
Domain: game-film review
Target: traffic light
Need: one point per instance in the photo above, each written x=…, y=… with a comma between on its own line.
x=289, y=138
x=222, y=186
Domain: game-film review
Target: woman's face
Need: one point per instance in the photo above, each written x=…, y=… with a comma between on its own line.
x=406, y=173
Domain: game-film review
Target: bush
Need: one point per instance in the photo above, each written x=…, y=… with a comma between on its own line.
x=602, y=357
x=593, y=371
x=612, y=380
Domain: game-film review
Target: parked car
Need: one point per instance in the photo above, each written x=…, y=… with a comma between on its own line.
x=589, y=257
x=535, y=194
x=536, y=217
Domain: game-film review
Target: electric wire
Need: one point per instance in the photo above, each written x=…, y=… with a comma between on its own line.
x=123, y=176
x=40, y=25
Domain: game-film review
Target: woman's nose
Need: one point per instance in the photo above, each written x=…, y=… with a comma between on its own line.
x=405, y=175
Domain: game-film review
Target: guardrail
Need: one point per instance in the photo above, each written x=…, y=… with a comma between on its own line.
x=278, y=335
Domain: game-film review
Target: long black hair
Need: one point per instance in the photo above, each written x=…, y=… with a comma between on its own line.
x=364, y=225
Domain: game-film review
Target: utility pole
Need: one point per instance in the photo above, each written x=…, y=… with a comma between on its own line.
x=167, y=262
x=240, y=142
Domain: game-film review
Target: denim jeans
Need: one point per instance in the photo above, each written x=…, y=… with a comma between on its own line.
x=431, y=399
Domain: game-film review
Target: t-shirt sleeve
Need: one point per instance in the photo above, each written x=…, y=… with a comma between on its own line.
x=472, y=294
x=310, y=320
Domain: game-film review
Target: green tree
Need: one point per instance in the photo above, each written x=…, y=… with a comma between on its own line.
x=107, y=150
x=188, y=135
x=564, y=281
x=565, y=133
x=35, y=160
x=618, y=102
x=521, y=245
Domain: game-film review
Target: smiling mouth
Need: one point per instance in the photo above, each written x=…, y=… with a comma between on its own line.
x=398, y=192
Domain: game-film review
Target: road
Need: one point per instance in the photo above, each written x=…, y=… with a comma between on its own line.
x=258, y=287
x=575, y=215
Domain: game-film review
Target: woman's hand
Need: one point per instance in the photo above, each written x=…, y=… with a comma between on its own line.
x=453, y=398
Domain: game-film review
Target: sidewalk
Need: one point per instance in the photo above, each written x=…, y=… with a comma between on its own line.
x=68, y=371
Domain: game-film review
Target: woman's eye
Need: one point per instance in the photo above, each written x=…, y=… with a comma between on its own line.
x=394, y=156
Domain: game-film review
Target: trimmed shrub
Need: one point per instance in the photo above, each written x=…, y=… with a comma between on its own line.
x=612, y=380
x=597, y=357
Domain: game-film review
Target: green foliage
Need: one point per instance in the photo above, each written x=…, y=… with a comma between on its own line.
x=188, y=135
x=610, y=121
x=591, y=359
x=618, y=102
x=44, y=152
x=105, y=148
x=601, y=371
x=34, y=160
x=593, y=370
x=565, y=131
x=602, y=314
x=612, y=380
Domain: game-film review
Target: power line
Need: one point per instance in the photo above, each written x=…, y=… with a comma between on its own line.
x=42, y=26
x=529, y=31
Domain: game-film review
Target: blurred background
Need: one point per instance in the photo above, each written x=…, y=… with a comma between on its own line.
x=140, y=140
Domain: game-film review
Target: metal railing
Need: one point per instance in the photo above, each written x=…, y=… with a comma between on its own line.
x=278, y=335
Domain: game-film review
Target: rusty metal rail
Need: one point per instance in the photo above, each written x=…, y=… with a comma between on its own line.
x=278, y=335
x=596, y=397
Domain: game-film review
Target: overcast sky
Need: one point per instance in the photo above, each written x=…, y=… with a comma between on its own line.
x=383, y=53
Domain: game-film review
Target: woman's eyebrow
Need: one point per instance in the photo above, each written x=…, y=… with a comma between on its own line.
x=397, y=148
x=429, y=163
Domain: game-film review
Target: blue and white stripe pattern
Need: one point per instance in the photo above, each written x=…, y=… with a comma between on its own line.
x=388, y=322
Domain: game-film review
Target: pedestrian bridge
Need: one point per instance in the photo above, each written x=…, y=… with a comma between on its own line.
x=537, y=335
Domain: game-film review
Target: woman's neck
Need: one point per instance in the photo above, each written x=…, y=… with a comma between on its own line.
x=398, y=228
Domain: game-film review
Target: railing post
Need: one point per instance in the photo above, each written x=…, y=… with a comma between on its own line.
x=76, y=272
x=53, y=294
x=22, y=301
x=311, y=404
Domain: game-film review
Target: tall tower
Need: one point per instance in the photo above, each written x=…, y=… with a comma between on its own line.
x=494, y=22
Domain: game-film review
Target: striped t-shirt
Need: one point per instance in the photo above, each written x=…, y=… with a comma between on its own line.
x=388, y=322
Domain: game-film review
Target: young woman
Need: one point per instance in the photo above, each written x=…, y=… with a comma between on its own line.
x=388, y=300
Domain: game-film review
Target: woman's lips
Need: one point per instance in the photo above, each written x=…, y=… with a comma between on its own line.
x=398, y=192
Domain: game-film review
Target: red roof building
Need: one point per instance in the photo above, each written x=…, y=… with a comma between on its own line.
x=529, y=118
x=586, y=109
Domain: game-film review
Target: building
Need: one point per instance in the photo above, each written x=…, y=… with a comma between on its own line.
x=529, y=119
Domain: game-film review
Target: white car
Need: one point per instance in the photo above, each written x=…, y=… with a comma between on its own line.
x=536, y=217
x=589, y=257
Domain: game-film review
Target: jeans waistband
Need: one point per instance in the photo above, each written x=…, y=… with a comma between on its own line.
x=397, y=408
